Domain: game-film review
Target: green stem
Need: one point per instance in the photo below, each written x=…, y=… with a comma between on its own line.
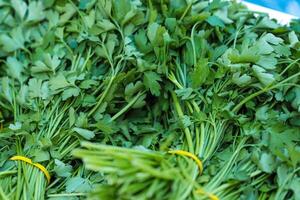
x=193, y=43
x=237, y=107
x=235, y=37
x=266, y=89
x=2, y=194
x=290, y=65
x=5, y=106
x=15, y=105
x=103, y=96
x=174, y=80
x=66, y=195
x=123, y=110
x=282, y=187
x=19, y=181
x=197, y=132
x=152, y=171
x=214, y=141
x=75, y=63
x=86, y=60
x=186, y=10
x=284, y=81
x=202, y=130
x=67, y=46
x=226, y=169
x=186, y=130
x=5, y=173
x=190, y=187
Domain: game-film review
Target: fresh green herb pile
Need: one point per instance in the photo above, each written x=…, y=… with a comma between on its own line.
x=148, y=99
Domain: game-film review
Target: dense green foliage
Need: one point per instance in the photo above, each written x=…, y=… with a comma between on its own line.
x=98, y=92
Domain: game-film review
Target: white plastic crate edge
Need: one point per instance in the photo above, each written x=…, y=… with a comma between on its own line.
x=282, y=18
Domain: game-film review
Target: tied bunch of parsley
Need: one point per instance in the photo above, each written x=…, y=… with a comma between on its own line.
x=148, y=99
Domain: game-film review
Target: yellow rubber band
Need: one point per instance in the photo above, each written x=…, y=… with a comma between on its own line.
x=188, y=154
x=209, y=195
x=37, y=165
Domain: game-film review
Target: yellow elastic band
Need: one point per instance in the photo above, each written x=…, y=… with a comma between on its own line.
x=209, y=195
x=188, y=154
x=37, y=165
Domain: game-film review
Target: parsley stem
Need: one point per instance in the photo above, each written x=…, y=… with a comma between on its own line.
x=66, y=195
x=282, y=187
x=174, y=80
x=86, y=60
x=237, y=107
x=284, y=81
x=290, y=65
x=181, y=115
x=102, y=96
x=193, y=43
x=5, y=106
x=190, y=186
x=236, y=36
x=186, y=10
x=2, y=195
x=266, y=89
x=226, y=169
x=123, y=110
x=197, y=132
x=201, y=145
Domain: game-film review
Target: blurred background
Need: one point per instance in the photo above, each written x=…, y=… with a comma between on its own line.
x=287, y=6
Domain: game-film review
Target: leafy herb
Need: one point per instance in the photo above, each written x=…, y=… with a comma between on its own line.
x=119, y=83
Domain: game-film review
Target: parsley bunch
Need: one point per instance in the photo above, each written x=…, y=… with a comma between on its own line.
x=103, y=92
